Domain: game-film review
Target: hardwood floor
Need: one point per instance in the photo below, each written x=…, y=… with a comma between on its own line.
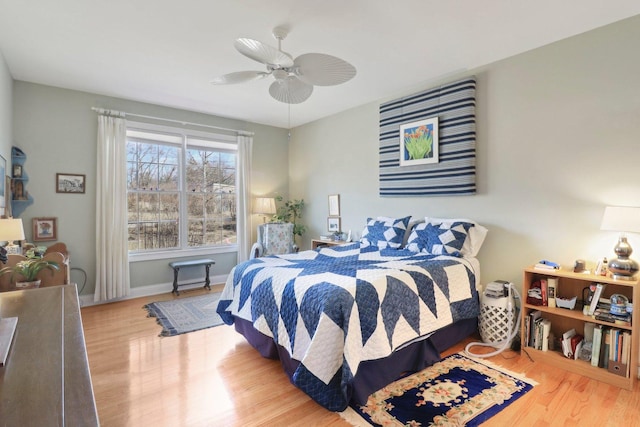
x=214, y=378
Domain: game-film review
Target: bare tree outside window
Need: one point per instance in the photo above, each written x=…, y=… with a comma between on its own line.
x=154, y=178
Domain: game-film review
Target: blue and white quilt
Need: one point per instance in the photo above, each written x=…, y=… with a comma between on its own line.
x=338, y=306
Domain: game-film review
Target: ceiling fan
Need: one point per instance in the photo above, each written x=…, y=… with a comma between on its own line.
x=295, y=78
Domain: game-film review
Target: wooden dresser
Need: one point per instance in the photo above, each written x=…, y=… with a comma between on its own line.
x=46, y=380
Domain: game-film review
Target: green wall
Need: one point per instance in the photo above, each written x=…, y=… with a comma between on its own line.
x=6, y=110
x=57, y=130
x=557, y=140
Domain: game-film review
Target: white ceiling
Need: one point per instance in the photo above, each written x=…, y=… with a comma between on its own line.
x=166, y=51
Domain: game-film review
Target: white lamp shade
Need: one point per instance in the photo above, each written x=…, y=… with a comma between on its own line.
x=11, y=229
x=265, y=206
x=619, y=218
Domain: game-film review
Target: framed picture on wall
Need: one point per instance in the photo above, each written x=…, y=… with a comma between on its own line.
x=333, y=224
x=419, y=142
x=70, y=183
x=334, y=205
x=45, y=229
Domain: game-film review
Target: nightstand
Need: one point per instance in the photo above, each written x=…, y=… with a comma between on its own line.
x=317, y=243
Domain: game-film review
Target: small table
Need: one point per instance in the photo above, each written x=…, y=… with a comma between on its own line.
x=317, y=243
x=177, y=265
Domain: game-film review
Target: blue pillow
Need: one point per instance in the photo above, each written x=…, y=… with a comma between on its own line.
x=439, y=239
x=385, y=233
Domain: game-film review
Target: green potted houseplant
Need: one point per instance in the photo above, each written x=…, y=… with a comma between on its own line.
x=26, y=272
x=291, y=211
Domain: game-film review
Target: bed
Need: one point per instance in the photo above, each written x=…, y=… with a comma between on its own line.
x=347, y=320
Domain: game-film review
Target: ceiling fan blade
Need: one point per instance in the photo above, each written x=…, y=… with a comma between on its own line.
x=323, y=70
x=239, y=77
x=290, y=90
x=263, y=53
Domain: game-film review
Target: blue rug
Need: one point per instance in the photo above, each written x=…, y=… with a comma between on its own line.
x=183, y=315
x=456, y=391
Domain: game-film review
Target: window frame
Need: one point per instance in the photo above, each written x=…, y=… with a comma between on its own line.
x=206, y=140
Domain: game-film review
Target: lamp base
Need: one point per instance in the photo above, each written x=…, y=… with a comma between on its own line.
x=623, y=268
x=13, y=249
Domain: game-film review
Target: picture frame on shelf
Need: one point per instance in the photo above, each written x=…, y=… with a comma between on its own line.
x=333, y=224
x=334, y=205
x=17, y=171
x=70, y=183
x=45, y=229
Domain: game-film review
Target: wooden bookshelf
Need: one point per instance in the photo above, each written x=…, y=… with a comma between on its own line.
x=571, y=284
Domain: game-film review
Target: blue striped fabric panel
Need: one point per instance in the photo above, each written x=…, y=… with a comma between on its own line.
x=455, y=174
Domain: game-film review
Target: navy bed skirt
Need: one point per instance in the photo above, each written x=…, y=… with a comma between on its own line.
x=372, y=375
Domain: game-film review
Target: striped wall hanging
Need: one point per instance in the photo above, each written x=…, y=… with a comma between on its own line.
x=428, y=142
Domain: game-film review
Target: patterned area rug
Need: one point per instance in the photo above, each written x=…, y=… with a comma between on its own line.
x=183, y=315
x=454, y=392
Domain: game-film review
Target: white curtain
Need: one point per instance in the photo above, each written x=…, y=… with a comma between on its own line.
x=243, y=184
x=112, y=252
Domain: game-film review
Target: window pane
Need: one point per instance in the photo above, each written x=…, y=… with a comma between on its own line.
x=168, y=178
x=168, y=235
x=195, y=205
x=133, y=237
x=169, y=207
x=148, y=176
x=132, y=207
x=196, y=232
x=156, y=179
x=148, y=207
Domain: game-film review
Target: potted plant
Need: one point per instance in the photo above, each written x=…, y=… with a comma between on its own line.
x=291, y=212
x=27, y=271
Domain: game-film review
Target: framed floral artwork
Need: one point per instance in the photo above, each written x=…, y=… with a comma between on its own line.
x=419, y=142
x=45, y=229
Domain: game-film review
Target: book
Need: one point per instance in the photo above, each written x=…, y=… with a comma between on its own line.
x=596, y=297
x=541, y=266
x=533, y=316
x=587, y=301
x=626, y=351
x=544, y=291
x=546, y=329
x=588, y=331
x=595, y=348
x=604, y=348
x=576, y=344
x=566, y=343
x=552, y=285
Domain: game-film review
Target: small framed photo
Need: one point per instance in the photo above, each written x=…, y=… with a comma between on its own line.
x=333, y=224
x=334, y=205
x=70, y=183
x=419, y=142
x=45, y=229
x=17, y=171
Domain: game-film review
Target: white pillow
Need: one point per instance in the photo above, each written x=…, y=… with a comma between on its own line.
x=477, y=234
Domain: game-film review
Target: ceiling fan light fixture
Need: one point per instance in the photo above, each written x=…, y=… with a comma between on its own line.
x=294, y=78
x=290, y=90
x=280, y=74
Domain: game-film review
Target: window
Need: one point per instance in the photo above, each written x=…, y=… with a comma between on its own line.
x=181, y=191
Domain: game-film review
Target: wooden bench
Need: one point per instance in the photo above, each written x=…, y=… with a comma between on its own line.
x=177, y=265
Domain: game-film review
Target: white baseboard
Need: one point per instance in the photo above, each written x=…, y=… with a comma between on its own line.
x=149, y=290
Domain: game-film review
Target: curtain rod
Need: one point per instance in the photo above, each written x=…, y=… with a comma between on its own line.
x=182, y=122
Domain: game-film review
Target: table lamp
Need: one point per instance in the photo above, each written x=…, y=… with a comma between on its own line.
x=623, y=219
x=265, y=206
x=11, y=230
